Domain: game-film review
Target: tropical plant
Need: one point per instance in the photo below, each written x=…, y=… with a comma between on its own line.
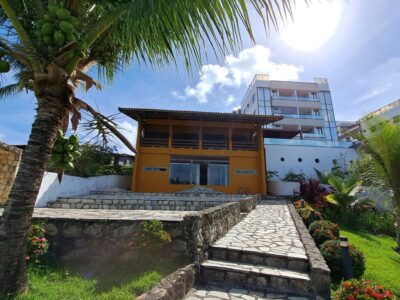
x=313, y=192
x=380, y=160
x=292, y=176
x=51, y=46
x=322, y=176
x=344, y=190
x=332, y=253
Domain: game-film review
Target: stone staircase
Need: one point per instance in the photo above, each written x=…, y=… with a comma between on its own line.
x=255, y=271
x=144, y=201
x=261, y=257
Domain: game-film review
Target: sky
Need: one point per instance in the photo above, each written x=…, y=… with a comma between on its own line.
x=354, y=44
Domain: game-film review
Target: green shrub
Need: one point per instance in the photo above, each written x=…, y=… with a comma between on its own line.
x=332, y=253
x=362, y=290
x=309, y=215
x=369, y=221
x=323, y=231
x=151, y=234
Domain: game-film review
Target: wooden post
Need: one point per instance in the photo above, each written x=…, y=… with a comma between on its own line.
x=170, y=136
x=263, y=180
x=136, y=169
x=201, y=136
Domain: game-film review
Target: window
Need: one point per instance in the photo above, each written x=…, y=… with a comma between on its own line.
x=253, y=98
x=317, y=160
x=274, y=93
x=260, y=94
x=299, y=159
x=199, y=171
x=282, y=159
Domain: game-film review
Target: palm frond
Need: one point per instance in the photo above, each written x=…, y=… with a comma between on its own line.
x=9, y=91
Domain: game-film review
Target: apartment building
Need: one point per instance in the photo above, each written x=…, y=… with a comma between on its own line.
x=390, y=111
x=306, y=107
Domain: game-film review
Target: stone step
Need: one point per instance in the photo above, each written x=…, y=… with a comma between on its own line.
x=255, y=277
x=289, y=261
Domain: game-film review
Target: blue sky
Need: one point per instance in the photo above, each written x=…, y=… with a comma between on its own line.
x=361, y=60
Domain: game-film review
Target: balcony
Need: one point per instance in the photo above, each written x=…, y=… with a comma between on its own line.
x=294, y=98
x=308, y=143
x=313, y=135
x=299, y=116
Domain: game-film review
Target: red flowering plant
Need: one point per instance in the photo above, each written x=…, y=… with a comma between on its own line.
x=151, y=234
x=37, y=244
x=362, y=290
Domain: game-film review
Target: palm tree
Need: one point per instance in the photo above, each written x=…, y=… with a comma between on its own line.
x=344, y=190
x=51, y=45
x=379, y=163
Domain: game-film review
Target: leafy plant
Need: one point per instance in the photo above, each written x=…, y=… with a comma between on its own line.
x=313, y=192
x=344, y=190
x=362, y=290
x=151, y=234
x=292, y=176
x=332, y=253
x=307, y=213
x=37, y=244
x=380, y=160
x=271, y=174
x=322, y=176
x=323, y=231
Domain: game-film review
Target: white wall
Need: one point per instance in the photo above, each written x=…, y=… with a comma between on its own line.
x=50, y=189
x=308, y=154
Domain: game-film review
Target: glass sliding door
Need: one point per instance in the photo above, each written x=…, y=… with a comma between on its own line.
x=218, y=174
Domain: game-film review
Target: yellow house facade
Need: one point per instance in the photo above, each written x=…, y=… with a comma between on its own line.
x=177, y=150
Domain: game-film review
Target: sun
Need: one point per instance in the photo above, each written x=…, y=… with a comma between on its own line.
x=312, y=24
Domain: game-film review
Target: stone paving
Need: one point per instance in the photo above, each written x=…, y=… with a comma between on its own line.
x=267, y=229
x=108, y=214
x=216, y=293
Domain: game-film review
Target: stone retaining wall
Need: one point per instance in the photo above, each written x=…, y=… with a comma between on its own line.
x=203, y=228
x=174, y=286
x=319, y=270
x=101, y=238
x=9, y=160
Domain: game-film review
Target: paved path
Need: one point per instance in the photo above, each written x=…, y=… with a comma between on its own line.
x=108, y=214
x=217, y=293
x=267, y=229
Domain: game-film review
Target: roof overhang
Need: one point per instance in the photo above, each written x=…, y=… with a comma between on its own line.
x=147, y=113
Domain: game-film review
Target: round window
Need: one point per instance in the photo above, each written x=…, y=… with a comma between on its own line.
x=317, y=160
x=300, y=159
x=282, y=159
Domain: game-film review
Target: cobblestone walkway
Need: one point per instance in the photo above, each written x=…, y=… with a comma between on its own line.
x=217, y=293
x=267, y=229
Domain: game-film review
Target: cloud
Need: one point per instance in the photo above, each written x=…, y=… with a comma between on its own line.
x=129, y=131
x=380, y=81
x=230, y=100
x=237, y=71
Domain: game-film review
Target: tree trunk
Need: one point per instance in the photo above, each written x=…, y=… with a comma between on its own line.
x=16, y=219
x=397, y=216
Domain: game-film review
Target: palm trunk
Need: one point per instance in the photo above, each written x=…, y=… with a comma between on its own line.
x=16, y=219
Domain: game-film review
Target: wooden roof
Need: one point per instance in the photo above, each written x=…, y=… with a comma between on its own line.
x=149, y=113
x=280, y=134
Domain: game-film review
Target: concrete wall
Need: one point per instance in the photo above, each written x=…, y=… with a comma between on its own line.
x=50, y=189
x=308, y=155
x=9, y=160
x=283, y=188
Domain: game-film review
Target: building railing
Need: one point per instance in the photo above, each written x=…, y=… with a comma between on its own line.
x=294, y=98
x=154, y=142
x=313, y=135
x=299, y=116
x=215, y=144
x=309, y=143
x=237, y=145
x=185, y=143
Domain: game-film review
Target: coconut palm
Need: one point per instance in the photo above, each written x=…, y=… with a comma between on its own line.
x=52, y=44
x=344, y=190
x=379, y=163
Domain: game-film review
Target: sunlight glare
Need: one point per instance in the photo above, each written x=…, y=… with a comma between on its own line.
x=312, y=24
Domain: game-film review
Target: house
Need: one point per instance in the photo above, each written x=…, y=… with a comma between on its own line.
x=179, y=149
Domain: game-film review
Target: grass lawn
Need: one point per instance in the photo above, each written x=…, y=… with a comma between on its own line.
x=114, y=280
x=382, y=262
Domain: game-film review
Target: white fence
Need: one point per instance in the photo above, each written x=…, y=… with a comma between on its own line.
x=50, y=188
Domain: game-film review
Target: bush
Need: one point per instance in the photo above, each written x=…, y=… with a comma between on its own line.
x=292, y=176
x=369, y=221
x=309, y=215
x=37, y=244
x=151, y=234
x=332, y=253
x=362, y=289
x=323, y=231
x=314, y=193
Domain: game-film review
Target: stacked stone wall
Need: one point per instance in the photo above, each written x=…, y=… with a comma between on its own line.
x=9, y=160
